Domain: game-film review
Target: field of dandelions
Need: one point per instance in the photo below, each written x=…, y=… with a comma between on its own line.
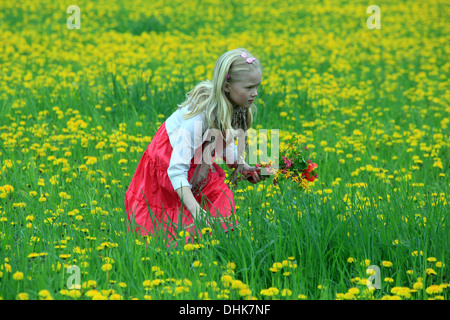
x=78, y=107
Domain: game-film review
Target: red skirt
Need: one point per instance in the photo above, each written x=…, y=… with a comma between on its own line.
x=150, y=188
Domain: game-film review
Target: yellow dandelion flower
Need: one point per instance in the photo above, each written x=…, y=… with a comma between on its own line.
x=74, y=293
x=45, y=295
x=22, y=296
x=184, y=233
x=286, y=292
x=353, y=291
x=18, y=276
x=244, y=292
x=418, y=285
x=99, y=297
x=272, y=291
x=196, y=264
x=386, y=264
x=403, y=292
x=115, y=296
x=430, y=271
x=227, y=279
x=433, y=289
x=107, y=267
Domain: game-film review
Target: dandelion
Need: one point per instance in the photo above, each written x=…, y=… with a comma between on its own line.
x=90, y=284
x=74, y=293
x=181, y=289
x=18, y=276
x=346, y=296
x=22, y=296
x=107, y=267
x=115, y=296
x=286, y=292
x=403, y=292
x=245, y=292
x=184, y=233
x=238, y=284
x=159, y=273
x=353, y=291
x=430, y=271
x=433, y=289
x=366, y=263
x=227, y=279
x=386, y=264
x=270, y=292
x=276, y=267
x=99, y=297
x=416, y=253
x=157, y=282
x=206, y=230
x=388, y=280
x=45, y=295
x=418, y=285
x=231, y=265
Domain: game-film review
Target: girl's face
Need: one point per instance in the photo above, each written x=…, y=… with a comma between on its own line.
x=243, y=92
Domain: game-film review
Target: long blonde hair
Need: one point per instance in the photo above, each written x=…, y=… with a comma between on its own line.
x=209, y=96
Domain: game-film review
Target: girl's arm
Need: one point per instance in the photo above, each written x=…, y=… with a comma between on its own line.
x=186, y=196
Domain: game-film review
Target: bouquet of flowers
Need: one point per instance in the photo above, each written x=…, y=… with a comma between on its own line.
x=294, y=164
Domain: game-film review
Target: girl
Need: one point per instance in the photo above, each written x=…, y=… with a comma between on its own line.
x=177, y=180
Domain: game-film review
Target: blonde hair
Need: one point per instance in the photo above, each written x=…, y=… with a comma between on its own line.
x=209, y=96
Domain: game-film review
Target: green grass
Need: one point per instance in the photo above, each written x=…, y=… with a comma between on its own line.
x=376, y=127
x=315, y=233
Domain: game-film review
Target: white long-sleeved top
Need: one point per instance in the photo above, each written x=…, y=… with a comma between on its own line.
x=186, y=138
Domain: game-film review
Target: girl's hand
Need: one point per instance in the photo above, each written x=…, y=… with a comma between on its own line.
x=253, y=174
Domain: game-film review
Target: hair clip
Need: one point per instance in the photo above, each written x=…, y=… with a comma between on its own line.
x=249, y=60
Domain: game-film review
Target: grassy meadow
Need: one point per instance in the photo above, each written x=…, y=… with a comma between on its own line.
x=78, y=107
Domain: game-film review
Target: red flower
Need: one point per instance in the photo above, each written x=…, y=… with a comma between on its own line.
x=308, y=172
